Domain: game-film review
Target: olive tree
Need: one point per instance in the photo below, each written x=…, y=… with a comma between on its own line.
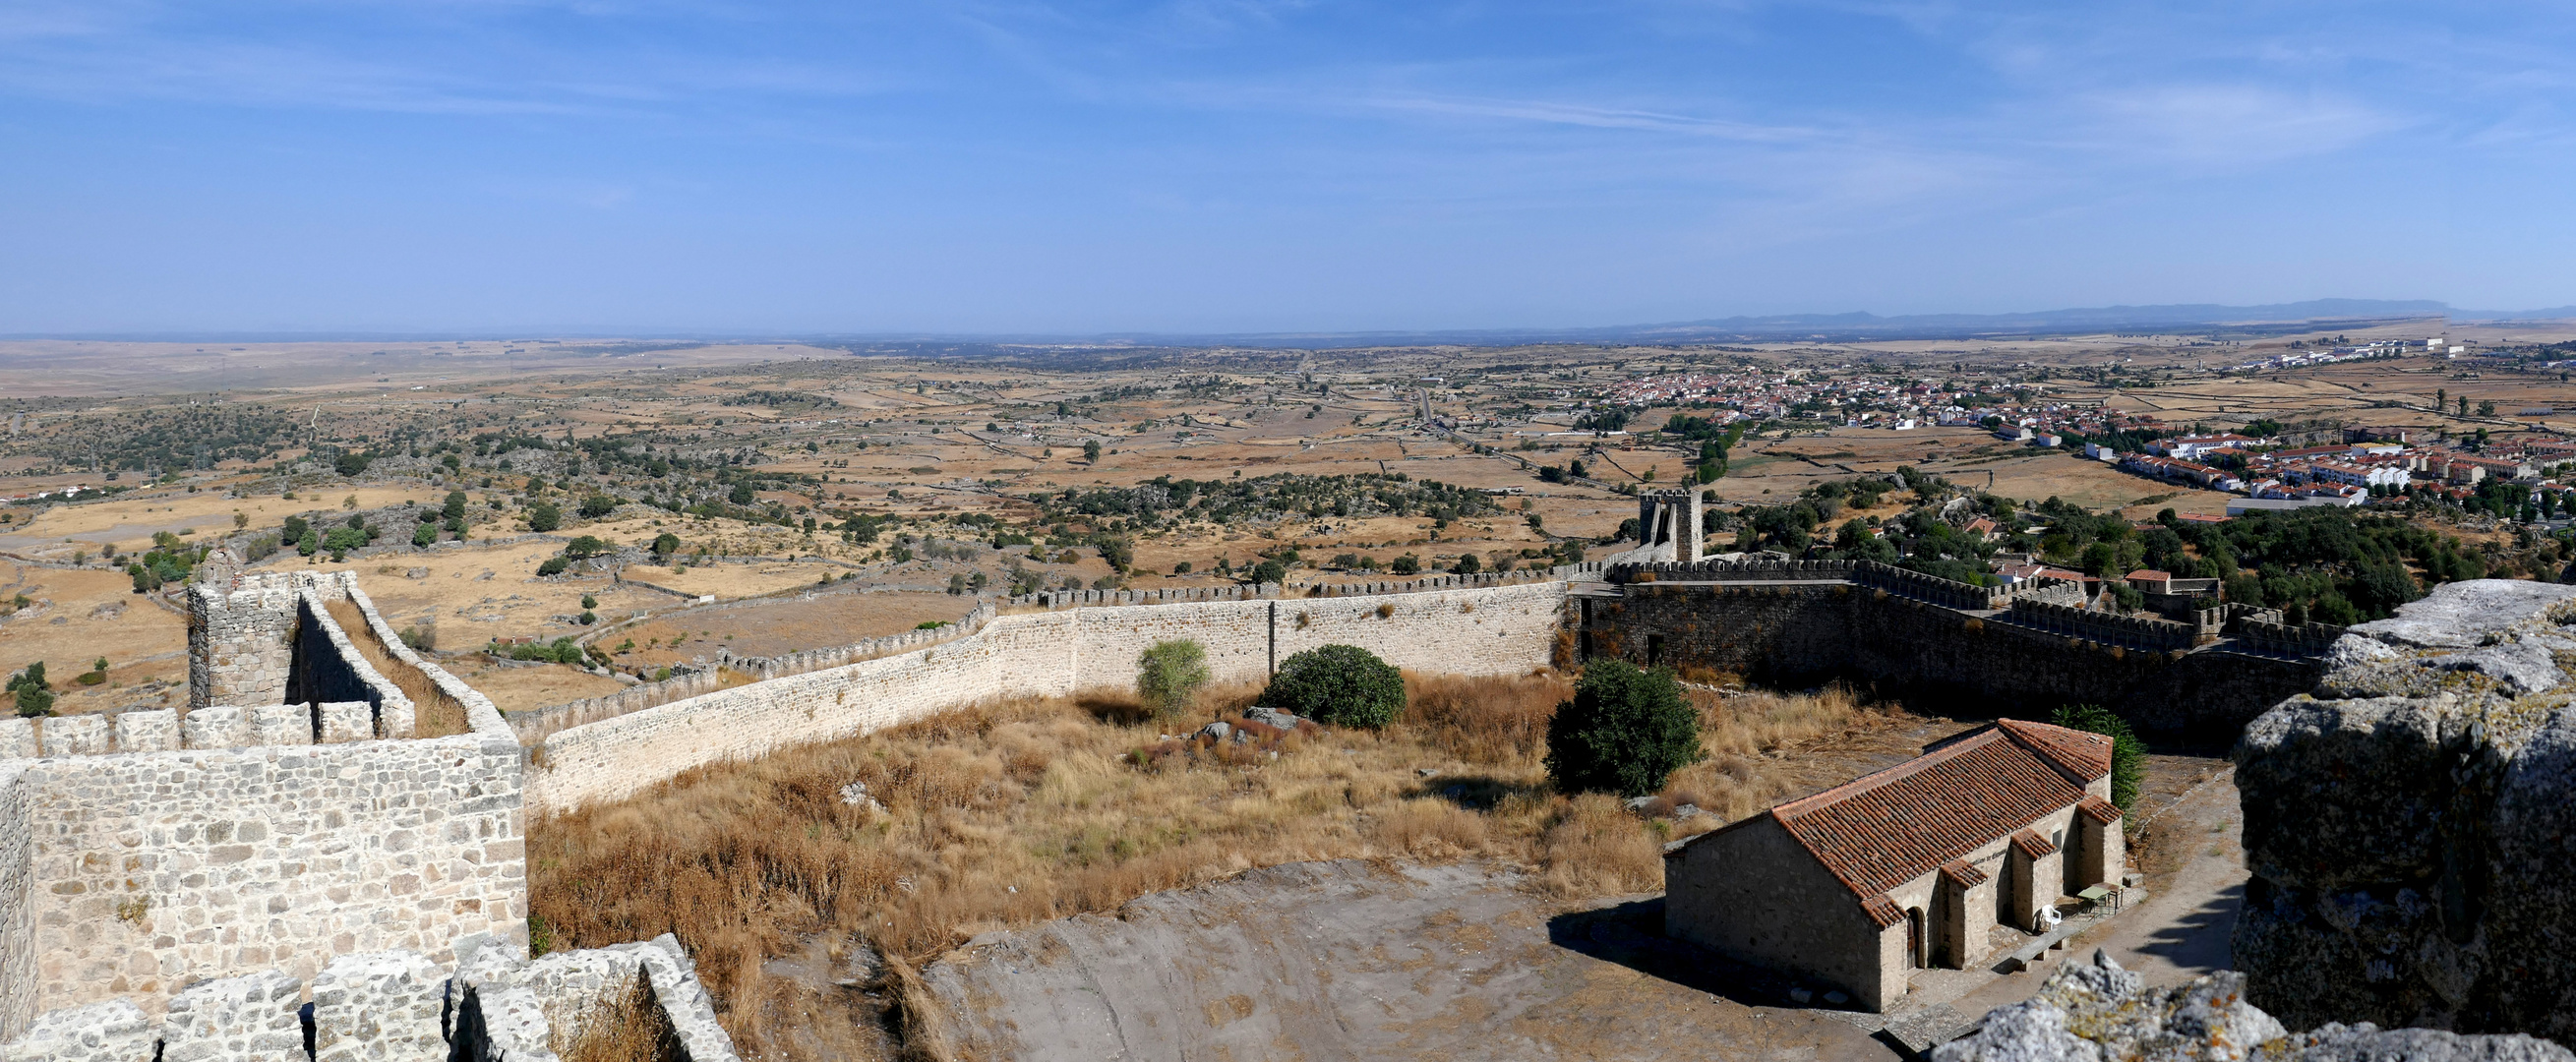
x=1626, y=731
x=1343, y=685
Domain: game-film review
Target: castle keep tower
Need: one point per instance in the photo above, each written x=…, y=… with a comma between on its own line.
x=1668, y=527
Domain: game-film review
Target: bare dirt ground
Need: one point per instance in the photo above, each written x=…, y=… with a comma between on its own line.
x=79, y=617
x=1467, y=961
x=784, y=625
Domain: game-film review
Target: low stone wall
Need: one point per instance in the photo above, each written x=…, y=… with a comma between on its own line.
x=1498, y=629
x=399, y=1006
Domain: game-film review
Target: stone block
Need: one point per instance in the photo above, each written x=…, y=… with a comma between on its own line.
x=214, y=728
x=281, y=724
x=73, y=735
x=152, y=731
x=346, y=721
x=115, y=1031
x=248, y=1017
x=384, y=1007
x=18, y=738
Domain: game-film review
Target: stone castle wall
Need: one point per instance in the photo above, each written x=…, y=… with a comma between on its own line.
x=1800, y=629
x=149, y=851
x=1503, y=628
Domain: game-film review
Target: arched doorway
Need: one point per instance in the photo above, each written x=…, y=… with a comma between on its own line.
x=1914, y=938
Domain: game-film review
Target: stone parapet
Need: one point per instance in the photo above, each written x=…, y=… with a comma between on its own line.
x=2128, y=632
x=397, y=1006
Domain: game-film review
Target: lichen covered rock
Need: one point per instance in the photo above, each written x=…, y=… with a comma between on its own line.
x=2099, y=1012
x=2411, y=825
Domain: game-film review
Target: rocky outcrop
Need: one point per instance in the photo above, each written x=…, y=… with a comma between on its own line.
x=2102, y=1013
x=2411, y=825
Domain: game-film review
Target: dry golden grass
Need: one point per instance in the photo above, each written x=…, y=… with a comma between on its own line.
x=1006, y=814
x=434, y=713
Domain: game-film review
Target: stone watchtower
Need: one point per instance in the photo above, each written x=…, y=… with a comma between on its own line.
x=1668, y=526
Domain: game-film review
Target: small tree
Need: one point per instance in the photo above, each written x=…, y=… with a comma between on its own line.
x=1343, y=685
x=33, y=694
x=1268, y=571
x=1169, y=673
x=454, y=509
x=1091, y=450
x=665, y=544
x=1626, y=731
x=585, y=547
x=596, y=506
x=2128, y=754
x=424, y=535
x=545, y=516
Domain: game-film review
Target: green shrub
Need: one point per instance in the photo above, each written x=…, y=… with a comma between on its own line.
x=424, y=535
x=34, y=695
x=1168, y=674
x=586, y=547
x=553, y=566
x=2128, y=754
x=545, y=516
x=309, y=544
x=1343, y=685
x=1269, y=571
x=596, y=506
x=665, y=544
x=1408, y=564
x=1626, y=731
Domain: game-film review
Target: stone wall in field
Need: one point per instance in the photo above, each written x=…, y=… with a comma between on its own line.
x=1466, y=625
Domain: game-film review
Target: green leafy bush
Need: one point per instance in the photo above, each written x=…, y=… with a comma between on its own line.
x=553, y=566
x=1343, y=685
x=665, y=544
x=33, y=694
x=596, y=506
x=2128, y=754
x=545, y=516
x=1169, y=673
x=1626, y=731
x=424, y=535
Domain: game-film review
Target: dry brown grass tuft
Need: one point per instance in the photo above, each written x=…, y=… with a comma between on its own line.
x=1006, y=814
x=434, y=713
x=629, y=1027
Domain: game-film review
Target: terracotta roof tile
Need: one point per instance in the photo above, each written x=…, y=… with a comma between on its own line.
x=1963, y=874
x=2085, y=756
x=1882, y=830
x=2099, y=810
x=2032, y=845
x=1882, y=910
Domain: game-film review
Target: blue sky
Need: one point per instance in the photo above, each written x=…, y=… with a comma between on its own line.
x=620, y=167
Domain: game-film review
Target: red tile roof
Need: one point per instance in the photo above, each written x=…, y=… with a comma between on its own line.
x=2099, y=810
x=1884, y=829
x=2031, y=844
x=2085, y=756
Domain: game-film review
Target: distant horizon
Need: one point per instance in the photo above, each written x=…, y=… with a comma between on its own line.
x=2024, y=324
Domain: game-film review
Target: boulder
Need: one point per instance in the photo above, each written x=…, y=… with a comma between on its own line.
x=2408, y=824
x=2098, y=1012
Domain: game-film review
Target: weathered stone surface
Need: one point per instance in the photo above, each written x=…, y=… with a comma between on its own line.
x=252, y=1016
x=2409, y=824
x=2098, y=1012
x=383, y=1007
x=101, y=1032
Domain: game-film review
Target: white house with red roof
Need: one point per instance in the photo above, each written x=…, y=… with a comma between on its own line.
x=1911, y=867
